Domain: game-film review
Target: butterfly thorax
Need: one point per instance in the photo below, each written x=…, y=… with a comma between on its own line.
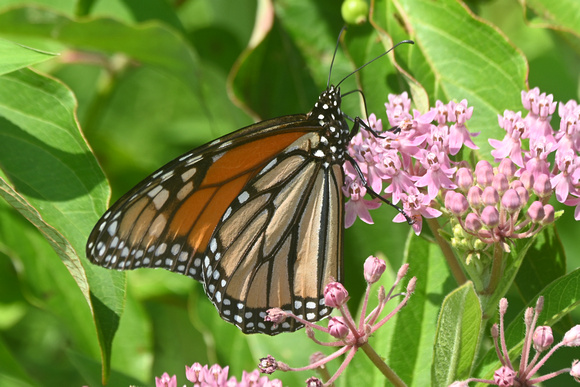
x=335, y=132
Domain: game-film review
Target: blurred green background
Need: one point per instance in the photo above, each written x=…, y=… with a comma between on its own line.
x=156, y=78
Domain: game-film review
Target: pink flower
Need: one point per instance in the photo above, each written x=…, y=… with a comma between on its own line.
x=439, y=172
x=357, y=206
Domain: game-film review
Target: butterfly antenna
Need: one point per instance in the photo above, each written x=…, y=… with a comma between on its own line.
x=334, y=55
x=372, y=60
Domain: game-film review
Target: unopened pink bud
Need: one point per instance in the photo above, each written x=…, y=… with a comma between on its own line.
x=504, y=376
x=503, y=305
x=275, y=315
x=549, y=214
x=335, y=295
x=490, y=196
x=543, y=338
x=457, y=203
x=483, y=173
x=337, y=327
x=500, y=183
x=507, y=167
x=523, y=194
x=472, y=222
x=527, y=179
x=373, y=269
x=572, y=337
x=536, y=212
x=510, y=201
x=474, y=197
x=313, y=382
x=542, y=186
x=490, y=216
x=464, y=179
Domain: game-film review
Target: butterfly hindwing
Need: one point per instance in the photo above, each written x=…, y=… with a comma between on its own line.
x=279, y=243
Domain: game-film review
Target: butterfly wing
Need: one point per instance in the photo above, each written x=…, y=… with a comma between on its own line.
x=279, y=242
x=166, y=221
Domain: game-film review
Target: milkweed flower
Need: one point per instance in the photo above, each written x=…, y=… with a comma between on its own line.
x=216, y=376
x=540, y=338
x=350, y=335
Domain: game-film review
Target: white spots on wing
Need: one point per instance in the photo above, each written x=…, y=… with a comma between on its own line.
x=185, y=176
x=155, y=191
x=183, y=256
x=175, y=248
x=161, y=249
x=184, y=191
x=213, y=245
x=227, y=214
x=112, y=229
x=218, y=297
x=238, y=318
x=197, y=262
x=243, y=197
x=297, y=304
x=217, y=157
x=311, y=305
x=167, y=175
x=321, y=116
x=269, y=166
x=192, y=161
x=225, y=144
x=161, y=198
x=310, y=316
x=157, y=174
x=319, y=153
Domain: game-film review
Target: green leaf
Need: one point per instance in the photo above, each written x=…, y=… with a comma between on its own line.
x=457, y=55
x=560, y=15
x=458, y=335
x=52, y=178
x=15, y=56
x=544, y=262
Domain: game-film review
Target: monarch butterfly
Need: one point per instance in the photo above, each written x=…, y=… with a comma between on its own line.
x=256, y=216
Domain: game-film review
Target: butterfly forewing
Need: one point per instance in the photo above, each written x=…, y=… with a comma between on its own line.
x=256, y=215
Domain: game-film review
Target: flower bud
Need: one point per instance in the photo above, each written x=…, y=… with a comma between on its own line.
x=483, y=173
x=523, y=194
x=507, y=167
x=337, y=327
x=536, y=212
x=542, y=186
x=464, y=179
x=268, y=365
x=490, y=196
x=543, y=338
x=373, y=269
x=572, y=337
x=275, y=315
x=549, y=214
x=474, y=197
x=335, y=295
x=500, y=183
x=490, y=216
x=313, y=382
x=504, y=376
x=457, y=203
x=510, y=201
x=472, y=222
x=527, y=179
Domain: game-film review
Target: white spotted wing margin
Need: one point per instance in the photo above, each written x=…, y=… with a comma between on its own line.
x=279, y=244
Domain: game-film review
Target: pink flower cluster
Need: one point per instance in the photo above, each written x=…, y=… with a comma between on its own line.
x=540, y=338
x=350, y=335
x=216, y=376
x=413, y=165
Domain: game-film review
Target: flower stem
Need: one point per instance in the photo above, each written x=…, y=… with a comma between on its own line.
x=496, y=269
x=382, y=366
x=447, y=252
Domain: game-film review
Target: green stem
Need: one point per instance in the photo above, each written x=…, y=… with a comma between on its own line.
x=452, y=262
x=382, y=366
x=496, y=269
